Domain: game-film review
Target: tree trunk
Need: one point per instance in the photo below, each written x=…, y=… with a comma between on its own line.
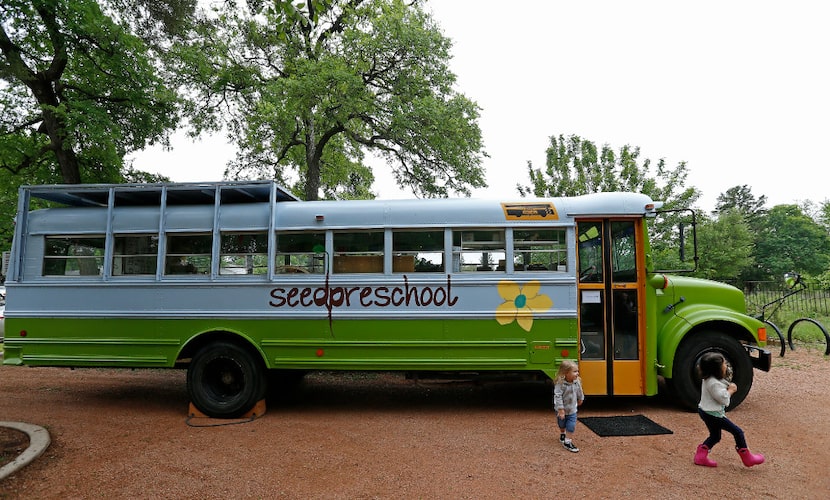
x=55, y=129
x=312, y=156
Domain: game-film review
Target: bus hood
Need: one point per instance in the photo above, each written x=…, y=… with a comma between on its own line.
x=677, y=290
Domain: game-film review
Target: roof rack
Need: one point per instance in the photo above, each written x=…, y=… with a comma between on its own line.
x=184, y=193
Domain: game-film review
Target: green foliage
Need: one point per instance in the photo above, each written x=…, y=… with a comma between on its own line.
x=309, y=89
x=789, y=240
x=822, y=280
x=785, y=238
x=741, y=199
x=81, y=90
x=131, y=175
x=725, y=246
x=575, y=166
x=823, y=215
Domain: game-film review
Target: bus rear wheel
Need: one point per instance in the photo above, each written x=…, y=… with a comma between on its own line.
x=685, y=380
x=225, y=380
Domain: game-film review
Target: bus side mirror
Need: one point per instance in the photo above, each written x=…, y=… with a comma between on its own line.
x=671, y=233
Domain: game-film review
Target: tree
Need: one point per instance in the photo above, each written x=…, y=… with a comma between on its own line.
x=310, y=89
x=726, y=246
x=575, y=166
x=81, y=90
x=740, y=198
x=789, y=240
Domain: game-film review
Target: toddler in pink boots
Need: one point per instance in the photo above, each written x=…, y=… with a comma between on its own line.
x=715, y=393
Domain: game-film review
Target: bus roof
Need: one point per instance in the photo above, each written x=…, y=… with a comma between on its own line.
x=180, y=193
x=461, y=211
x=347, y=213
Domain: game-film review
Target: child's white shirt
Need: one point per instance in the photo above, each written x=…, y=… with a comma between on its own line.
x=714, y=398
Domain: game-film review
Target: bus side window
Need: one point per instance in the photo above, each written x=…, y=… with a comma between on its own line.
x=477, y=250
x=73, y=256
x=135, y=254
x=188, y=254
x=358, y=252
x=540, y=250
x=298, y=253
x=417, y=251
x=243, y=253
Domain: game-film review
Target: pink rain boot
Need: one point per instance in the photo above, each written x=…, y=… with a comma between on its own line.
x=702, y=457
x=749, y=459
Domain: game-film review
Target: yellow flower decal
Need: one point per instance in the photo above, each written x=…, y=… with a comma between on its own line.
x=520, y=302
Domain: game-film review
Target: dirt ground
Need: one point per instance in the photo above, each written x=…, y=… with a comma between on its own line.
x=122, y=433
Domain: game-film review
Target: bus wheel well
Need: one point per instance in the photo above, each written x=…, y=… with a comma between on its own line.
x=196, y=344
x=731, y=329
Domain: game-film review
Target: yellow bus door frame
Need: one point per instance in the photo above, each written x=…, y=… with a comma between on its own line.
x=611, y=264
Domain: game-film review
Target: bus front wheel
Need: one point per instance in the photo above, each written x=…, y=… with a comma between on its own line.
x=685, y=380
x=225, y=380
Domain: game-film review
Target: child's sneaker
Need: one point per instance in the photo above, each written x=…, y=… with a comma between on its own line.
x=570, y=446
x=561, y=438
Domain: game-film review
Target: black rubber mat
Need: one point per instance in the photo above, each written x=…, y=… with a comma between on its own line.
x=629, y=425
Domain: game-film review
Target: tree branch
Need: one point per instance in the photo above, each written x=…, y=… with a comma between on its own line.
x=60, y=58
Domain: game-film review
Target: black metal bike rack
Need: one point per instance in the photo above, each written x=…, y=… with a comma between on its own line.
x=796, y=282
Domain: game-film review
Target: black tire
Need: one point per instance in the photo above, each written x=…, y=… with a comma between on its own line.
x=685, y=380
x=225, y=380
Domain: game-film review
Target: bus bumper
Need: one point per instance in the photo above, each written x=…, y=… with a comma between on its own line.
x=761, y=358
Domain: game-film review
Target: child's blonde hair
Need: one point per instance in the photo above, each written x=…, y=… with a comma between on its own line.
x=565, y=368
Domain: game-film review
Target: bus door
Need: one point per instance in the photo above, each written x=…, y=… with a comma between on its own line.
x=610, y=300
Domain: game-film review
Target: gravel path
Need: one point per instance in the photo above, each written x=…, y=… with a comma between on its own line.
x=121, y=433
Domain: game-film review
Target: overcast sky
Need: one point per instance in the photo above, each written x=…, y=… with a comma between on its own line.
x=737, y=89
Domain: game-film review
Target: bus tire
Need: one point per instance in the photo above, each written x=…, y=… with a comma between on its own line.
x=225, y=380
x=685, y=381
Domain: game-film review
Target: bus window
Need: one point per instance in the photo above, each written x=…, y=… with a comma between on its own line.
x=590, y=252
x=298, y=253
x=418, y=251
x=73, y=256
x=135, y=254
x=478, y=250
x=188, y=254
x=624, y=252
x=592, y=325
x=539, y=250
x=626, y=343
x=243, y=253
x=358, y=252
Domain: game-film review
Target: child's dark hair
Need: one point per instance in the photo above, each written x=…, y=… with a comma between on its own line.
x=711, y=365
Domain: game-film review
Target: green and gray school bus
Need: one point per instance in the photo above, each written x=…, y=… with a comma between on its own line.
x=238, y=281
